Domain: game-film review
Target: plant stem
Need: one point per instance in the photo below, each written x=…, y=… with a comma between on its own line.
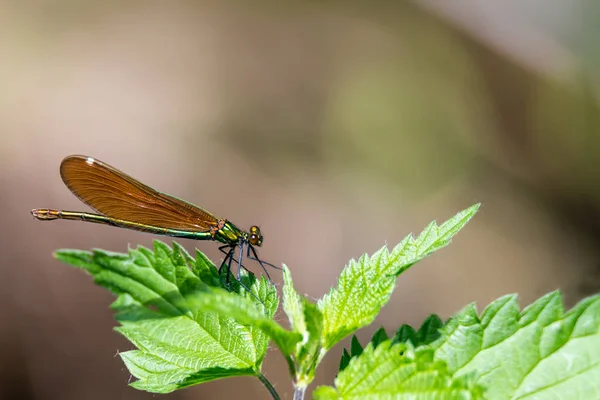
x=268, y=385
x=299, y=392
x=291, y=366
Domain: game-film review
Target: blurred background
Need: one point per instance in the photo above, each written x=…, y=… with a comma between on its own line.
x=337, y=127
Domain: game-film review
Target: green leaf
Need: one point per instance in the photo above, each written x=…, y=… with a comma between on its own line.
x=308, y=354
x=379, y=336
x=130, y=273
x=181, y=342
x=429, y=330
x=366, y=285
x=306, y=319
x=427, y=333
x=356, y=349
x=540, y=353
x=124, y=302
x=345, y=360
x=159, y=376
x=405, y=334
x=153, y=372
x=397, y=371
x=244, y=310
x=293, y=306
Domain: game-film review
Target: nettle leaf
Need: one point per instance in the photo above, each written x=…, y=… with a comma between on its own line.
x=306, y=319
x=245, y=311
x=345, y=360
x=379, y=336
x=292, y=304
x=179, y=342
x=366, y=285
x=541, y=352
x=398, y=371
x=427, y=333
x=356, y=349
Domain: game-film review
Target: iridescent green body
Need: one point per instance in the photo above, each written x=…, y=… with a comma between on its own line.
x=229, y=234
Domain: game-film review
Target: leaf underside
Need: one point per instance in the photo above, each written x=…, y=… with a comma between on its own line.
x=178, y=342
x=397, y=371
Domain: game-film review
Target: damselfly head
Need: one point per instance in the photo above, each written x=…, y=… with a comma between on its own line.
x=255, y=238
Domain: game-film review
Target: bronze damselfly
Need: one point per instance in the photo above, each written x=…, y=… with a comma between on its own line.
x=124, y=202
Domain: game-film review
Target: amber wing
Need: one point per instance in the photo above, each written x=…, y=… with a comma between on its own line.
x=117, y=195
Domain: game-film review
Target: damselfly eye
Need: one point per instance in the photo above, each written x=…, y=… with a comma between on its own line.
x=255, y=238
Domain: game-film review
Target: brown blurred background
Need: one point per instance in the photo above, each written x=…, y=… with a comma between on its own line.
x=336, y=126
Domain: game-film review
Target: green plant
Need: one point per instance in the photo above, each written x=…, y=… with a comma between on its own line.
x=188, y=329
